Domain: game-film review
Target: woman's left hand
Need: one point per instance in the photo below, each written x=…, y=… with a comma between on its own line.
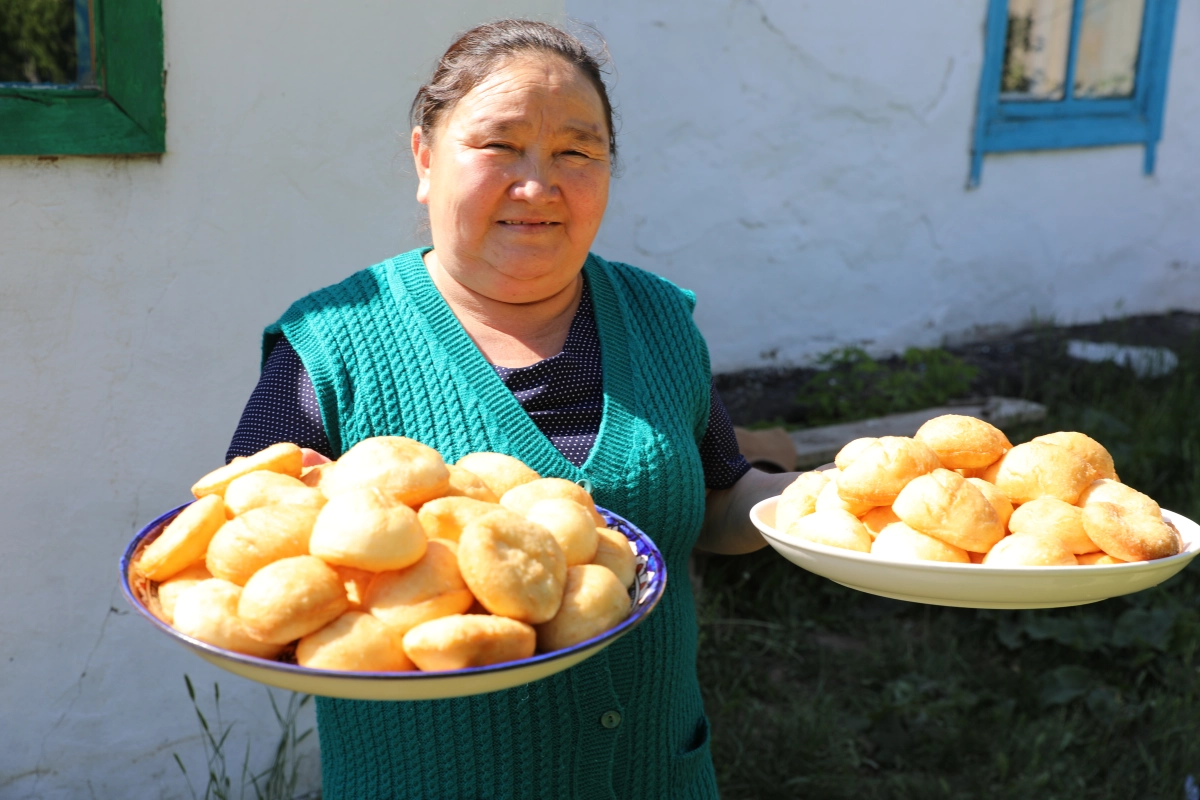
x=727, y=527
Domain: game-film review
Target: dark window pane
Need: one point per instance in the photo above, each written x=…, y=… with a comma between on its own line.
x=37, y=42
x=1035, y=53
x=1109, y=35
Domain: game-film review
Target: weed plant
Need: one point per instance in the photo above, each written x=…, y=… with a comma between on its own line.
x=819, y=691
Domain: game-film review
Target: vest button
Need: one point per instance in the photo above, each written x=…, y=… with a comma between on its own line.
x=610, y=719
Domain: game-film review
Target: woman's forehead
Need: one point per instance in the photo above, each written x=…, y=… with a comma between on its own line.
x=503, y=101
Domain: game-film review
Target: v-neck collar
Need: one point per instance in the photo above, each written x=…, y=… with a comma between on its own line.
x=409, y=277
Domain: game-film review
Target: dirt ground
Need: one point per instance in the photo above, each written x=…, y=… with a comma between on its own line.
x=1004, y=362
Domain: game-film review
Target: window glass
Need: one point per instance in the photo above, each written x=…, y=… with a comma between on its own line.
x=1035, y=53
x=45, y=42
x=1108, y=48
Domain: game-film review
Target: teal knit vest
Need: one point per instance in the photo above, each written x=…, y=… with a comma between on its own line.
x=387, y=357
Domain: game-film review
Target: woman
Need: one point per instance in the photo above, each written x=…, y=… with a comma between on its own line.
x=508, y=335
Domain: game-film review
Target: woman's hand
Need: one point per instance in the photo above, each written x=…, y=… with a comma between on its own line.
x=727, y=527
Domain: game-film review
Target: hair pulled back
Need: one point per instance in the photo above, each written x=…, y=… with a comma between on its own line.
x=482, y=50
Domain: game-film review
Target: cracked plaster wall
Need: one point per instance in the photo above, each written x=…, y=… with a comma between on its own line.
x=133, y=297
x=801, y=164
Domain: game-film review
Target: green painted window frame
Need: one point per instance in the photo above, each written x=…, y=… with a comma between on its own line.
x=122, y=115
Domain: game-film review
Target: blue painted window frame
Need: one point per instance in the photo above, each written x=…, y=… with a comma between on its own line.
x=1003, y=126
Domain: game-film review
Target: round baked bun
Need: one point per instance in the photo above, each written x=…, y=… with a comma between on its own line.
x=170, y=589
x=899, y=542
x=1038, y=469
x=354, y=642
x=1000, y=503
x=943, y=504
x=291, y=598
x=431, y=588
x=593, y=601
x=1130, y=534
x=1049, y=516
x=799, y=499
x=247, y=543
x=401, y=468
x=571, y=525
x=184, y=541
x=464, y=483
x=1086, y=448
x=1107, y=490
x=262, y=488
x=878, y=518
x=828, y=499
x=852, y=450
x=513, y=566
x=498, y=471
x=445, y=517
x=613, y=552
x=522, y=498
x=208, y=611
x=367, y=529
x=883, y=468
x=834, y=528
x=283, y=457
x=468, y=640
x=1029, y=551
x=962, y=442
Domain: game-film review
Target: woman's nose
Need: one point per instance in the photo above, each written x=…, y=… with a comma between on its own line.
x=533, y=185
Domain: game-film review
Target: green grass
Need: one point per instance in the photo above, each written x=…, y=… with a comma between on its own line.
x=819, y=691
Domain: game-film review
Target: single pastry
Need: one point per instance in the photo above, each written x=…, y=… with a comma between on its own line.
x=514, y=567
x=522, y=498
x=208, y=611
x=1049, y=516
x=445, y=517
x=367, y=529
x=834, y=528
x=291, y=598
x=1086, y=448
x=829, y=499
x=1107, y=490
x=402, y=468
x=354, y=642
x=1129, y=533
x=468, y=640
x=883, y=468
x=799, y=499
x=184, y=541
x=943, y=504
x=899, y=542
x=284, y=458
x=571, y=525
x=431, y=588
x=170, y=589
x=999, y=501
x=498, y=471
x=878, y=518
x=1038, y=469
x=464, y=483
x=613, y=551
x=963, y=442
x=852, y=450
x=1029, y=551
x=593, y=602
x=247, y=543
x=262, y=488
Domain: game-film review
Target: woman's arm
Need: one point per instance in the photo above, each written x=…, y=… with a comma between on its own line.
x=727, y=527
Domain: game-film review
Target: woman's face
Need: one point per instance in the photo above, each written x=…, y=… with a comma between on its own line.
x=516, y=180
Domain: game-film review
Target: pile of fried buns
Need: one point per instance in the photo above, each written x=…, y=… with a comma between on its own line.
x=388, y=559
x=958, y=491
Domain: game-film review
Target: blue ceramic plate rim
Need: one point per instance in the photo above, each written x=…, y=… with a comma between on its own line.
x=650, y=582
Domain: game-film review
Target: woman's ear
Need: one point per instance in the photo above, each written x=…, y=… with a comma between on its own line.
x=422, y=157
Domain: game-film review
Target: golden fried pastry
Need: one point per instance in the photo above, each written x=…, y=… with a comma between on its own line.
x=290, y=598
x=1100, y=558
x=464, y=483
x=521, y=498
x=1086, y=448
x=285, y=458
x=852, y=450
x=498, y=471
x=962, y=442
x=833, y=528
x=799, y=499
x=430, y=588
x=513, y=566
x=247, y=543
x=401, y=468
x=184, y=541
x=1107, y=490
x=571, y=525
x=312, y=476
x=208, y=612
x=355, y=582
x=1129, y=533
x=878, y=518
x=593, y=602
x=170, y=589
x=1049, y=516
x=1037, y=469
x=943, y=504
x=368, y=529
x=883, y=468
x=354, y=642
x=262, y=488
x=1020, y=550
x=614, y=552
x=829, y=499
x=445, y=517
x=997, y=498
x=899, y=542
x=468, y=640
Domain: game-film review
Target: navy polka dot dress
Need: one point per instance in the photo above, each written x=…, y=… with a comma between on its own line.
x=563, y=394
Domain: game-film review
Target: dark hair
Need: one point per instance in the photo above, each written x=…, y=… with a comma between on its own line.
x=477, y=53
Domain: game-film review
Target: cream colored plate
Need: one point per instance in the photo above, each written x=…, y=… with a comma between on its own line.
x=974, y=585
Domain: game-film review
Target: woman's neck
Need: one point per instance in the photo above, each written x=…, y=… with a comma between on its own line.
x=509, y=334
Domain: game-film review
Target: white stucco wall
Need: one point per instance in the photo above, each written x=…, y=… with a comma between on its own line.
x=802, y=165
x=133, y=296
